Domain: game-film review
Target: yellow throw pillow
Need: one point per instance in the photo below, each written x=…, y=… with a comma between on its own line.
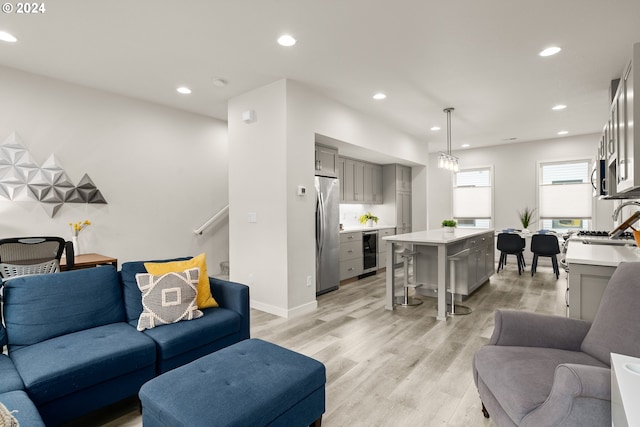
x=204, y=298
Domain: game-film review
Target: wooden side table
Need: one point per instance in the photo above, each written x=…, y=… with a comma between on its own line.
x=88, y=261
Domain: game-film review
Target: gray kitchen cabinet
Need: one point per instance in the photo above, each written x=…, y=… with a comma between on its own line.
x=372, y=183
x=586, y=286
x=471, y=271
x=360, y=182
x=382, y=245
x=396, y=179
x=629, y=142
x=349, y=181
x=403, y=178
x=376, y=177
x=341, y=177
x=326, y=161
x=403, y=212
x=621, y=142
x=351, y=262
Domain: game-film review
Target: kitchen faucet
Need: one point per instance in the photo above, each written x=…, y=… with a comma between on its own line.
x=616, y=212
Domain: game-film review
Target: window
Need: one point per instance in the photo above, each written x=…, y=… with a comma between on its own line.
x=473, y=198
x=565, y=195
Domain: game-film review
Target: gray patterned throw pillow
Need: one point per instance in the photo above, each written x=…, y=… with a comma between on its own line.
x=6, y=417
x=168, y=298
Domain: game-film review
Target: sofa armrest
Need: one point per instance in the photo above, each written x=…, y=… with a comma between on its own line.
x=521, y=328
x=580, y=396
x=234, y=296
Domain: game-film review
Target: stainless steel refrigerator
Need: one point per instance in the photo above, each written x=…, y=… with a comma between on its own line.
x=327, y=234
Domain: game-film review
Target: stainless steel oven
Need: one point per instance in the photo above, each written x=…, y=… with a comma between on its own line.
x=369, y=251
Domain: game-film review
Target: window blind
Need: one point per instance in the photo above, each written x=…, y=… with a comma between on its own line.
x=564, y=191
x=472, y=194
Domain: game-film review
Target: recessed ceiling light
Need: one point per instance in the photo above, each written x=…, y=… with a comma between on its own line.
x=466, y=145
x=286, y=40
x=563, y=132
x=184, y=90
x=379, y=96
x=559, y=107
x=435, y=128
x=550, y=51
x=6, y=37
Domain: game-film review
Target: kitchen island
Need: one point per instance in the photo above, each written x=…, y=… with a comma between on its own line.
x=433, y=248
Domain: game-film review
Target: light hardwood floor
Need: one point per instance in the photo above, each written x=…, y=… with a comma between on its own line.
x=400, y=368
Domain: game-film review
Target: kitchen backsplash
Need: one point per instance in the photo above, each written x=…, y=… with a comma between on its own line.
x=350, y=213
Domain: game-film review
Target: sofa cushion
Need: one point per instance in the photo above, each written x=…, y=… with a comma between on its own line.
x=521, y=378
x=59, y=366
x=22, y=408
x=45, y=306
x=618, y=317
x=130, y=290
x=9, y=378
x=168, y=298
x=205, y=299
x=178, y=338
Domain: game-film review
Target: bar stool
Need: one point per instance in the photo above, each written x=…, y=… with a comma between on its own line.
x=406, y=300
x=454, y=309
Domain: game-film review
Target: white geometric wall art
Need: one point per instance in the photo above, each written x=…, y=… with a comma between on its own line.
x=21, y=178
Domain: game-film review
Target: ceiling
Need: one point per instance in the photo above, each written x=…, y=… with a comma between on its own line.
x=480, y=57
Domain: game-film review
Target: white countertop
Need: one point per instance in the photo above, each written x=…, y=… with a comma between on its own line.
x=606, y=255
x=625, y=410
x=438, y=236
x=365, y=228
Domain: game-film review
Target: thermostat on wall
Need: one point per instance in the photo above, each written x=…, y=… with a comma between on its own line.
x=302, y=190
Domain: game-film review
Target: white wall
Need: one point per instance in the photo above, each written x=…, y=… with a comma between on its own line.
x=162, y=171
x=515, y=184
x=257, y=183
x=282, y=254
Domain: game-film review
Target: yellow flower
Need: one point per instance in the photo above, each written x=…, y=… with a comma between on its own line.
x=79, y=226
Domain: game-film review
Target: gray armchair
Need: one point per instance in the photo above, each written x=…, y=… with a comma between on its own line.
x=540, y=370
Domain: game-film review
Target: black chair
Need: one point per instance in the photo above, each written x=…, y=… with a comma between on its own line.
x=20, y=256
x=545, y=245
x=510, y=244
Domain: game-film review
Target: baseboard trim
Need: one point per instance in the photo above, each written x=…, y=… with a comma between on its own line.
x=282, y=312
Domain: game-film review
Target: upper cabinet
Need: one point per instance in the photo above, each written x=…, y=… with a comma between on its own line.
x=403, y=178
x=618, y=139
x=326, y=161
x=360, y=182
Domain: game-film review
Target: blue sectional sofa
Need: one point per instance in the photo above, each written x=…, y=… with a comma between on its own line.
x=72, y=338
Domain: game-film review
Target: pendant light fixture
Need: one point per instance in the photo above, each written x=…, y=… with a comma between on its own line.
x=447, y=160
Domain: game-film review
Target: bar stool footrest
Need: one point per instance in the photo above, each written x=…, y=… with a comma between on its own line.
x=459, y=310
x=410, y=302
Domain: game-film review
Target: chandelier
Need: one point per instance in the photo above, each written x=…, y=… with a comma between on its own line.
x=447, y=160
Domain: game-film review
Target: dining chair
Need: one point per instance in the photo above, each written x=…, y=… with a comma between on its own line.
x=510, y=244
x=545, y=245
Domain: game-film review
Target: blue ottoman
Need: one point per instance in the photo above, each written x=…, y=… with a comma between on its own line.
x=251, y=383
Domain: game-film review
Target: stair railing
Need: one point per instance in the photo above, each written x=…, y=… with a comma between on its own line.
x=211, y=220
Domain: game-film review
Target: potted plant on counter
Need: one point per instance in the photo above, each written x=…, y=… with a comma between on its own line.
x=526, y=217
x=449, y=225
x=368, y=219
